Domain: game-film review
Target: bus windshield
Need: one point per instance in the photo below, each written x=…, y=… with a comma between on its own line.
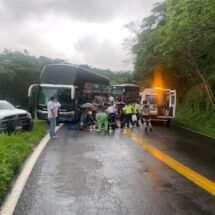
x=63, y=94
x=126, y=93
x=118, y=91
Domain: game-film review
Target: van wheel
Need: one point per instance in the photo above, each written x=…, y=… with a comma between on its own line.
x=168, y=122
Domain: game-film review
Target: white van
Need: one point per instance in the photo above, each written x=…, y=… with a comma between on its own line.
x=162, y=103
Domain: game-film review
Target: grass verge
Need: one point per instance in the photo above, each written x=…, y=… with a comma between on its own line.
x=200, y=121
x=13, y=151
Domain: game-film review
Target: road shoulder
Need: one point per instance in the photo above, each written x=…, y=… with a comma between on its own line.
x=13, y=197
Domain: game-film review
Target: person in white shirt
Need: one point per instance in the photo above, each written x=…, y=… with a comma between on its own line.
x=111, y=111
x=53, y=106
x=146, y=118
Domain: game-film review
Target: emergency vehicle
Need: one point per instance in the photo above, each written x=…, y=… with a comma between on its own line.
x=162, y=103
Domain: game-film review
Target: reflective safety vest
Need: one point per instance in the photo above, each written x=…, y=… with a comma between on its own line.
x=128, y=109
x=136, y=108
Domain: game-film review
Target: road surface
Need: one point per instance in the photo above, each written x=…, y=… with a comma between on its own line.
x=87, y=173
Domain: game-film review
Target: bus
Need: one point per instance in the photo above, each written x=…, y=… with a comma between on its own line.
x=125, y=92
x=72, y=85
x=162, y=103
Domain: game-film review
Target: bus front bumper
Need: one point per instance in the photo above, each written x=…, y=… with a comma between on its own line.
x=62, y=116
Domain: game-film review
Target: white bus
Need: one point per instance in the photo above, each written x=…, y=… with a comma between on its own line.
x=72, y=85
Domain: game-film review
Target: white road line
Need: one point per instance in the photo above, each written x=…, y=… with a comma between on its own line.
x=189, y=129
x=10, y=203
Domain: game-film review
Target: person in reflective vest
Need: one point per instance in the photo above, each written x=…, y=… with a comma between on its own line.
x=128, y=110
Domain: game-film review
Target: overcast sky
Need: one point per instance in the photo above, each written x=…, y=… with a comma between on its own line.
x=80, y=31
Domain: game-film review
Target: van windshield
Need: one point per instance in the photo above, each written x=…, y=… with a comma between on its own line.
x=152, y=99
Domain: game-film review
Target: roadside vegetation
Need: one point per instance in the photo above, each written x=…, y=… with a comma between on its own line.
x=196, y=113
x=200, y=121
x=177, y=41
x=13, y=151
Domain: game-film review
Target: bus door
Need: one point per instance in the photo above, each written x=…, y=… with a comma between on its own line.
x=32, y=99
x=172, y=103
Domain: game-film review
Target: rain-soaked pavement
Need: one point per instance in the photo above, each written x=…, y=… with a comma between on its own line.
x=88, y=173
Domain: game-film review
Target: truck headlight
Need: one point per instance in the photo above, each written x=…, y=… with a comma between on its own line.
x=29, y=116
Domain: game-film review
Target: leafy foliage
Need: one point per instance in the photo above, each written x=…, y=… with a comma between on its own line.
x=179, y=37
x=17, y=72
x=201, y=121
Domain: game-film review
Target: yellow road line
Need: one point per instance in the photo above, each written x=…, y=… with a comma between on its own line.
x=190, y=174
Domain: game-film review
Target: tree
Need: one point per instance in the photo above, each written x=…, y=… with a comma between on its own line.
x=17, y=72
x=179, y=37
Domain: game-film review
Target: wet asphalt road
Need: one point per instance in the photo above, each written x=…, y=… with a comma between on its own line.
x=89, y=173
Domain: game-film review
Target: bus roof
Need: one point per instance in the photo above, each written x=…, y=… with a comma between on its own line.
x=155, y=89
x=67, y=74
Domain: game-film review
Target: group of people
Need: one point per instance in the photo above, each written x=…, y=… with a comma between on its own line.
x=97, y=116
x=115, y=115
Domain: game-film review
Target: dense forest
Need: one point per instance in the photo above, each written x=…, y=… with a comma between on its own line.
x=18, y=70
x=176, y=44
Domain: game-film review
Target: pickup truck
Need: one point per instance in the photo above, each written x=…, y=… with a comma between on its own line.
x=13, y=119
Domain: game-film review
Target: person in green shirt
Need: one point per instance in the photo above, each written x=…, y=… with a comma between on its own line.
x=102, y=119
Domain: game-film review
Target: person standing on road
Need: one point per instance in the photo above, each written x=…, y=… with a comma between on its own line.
x=128, y=110
x=52, y=107
x=136, y=111
x=146, y=118
x=121, y=115
x=111, y=112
